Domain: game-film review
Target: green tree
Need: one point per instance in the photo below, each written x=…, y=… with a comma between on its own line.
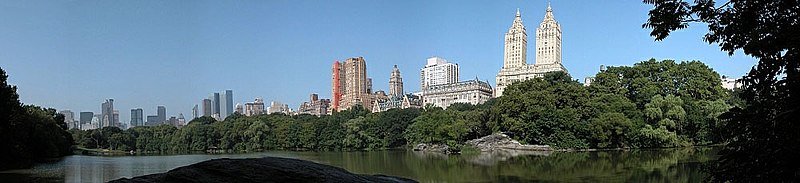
x=551, y=110
x=29, y=133
x=609, y=130
x=763, y=141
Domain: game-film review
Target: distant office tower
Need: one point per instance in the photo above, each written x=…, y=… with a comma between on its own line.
x=137, y=117
x=215, y=104
x=395, y=82
x=181, y=121
x=223, y=112
x=438, y=72
x=153, y=120
x=116, y=120
x=162, y=114
x=86, y=119
x=207, y=109
x=350, y=84
x=228, y=103
x=69, y=119
x=195, y=112
x=107, y=113
x=254, y=108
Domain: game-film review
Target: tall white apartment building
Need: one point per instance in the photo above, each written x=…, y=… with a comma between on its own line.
x=438, y=72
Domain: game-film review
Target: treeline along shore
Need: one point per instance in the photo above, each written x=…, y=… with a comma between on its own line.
x=651, y=104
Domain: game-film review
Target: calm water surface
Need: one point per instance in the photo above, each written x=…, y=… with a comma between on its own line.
x=665, y=165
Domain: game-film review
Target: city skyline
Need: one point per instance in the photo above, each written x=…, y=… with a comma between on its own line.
x=156, y=65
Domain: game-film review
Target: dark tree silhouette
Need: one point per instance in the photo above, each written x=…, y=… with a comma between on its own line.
x=763, y=139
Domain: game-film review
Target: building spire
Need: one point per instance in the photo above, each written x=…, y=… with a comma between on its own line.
x=549, y=14
x=518, y=12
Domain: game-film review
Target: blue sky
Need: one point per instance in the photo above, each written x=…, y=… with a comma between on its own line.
x=73, y=54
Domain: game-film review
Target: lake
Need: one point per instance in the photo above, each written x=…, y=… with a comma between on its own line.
x=659, y=165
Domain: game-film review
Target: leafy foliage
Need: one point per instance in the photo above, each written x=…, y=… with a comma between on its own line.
x=29, y=133
x=762, y=135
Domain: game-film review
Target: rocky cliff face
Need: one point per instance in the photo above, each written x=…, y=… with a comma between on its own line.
x=268, y=169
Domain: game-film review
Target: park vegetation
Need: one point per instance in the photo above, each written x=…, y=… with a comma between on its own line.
x=29, y=133
x=761, y=138
x=651, y=104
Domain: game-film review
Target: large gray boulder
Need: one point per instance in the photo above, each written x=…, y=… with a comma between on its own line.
x=501, y=142
x=268, y=169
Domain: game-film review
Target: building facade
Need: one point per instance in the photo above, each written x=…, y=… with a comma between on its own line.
x=731, y=83
x=397, y=102
x=314, y=106
x=350, y=85
x=153, y=120
x=438, y=71
x=548, y=52
x=278, y=107
x=472, y=92
x=254, y=108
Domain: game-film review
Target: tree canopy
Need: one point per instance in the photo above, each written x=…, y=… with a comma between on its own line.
x=762, y=135
x=29, y=133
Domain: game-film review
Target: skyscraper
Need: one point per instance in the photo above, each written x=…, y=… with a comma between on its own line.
x=395, y=82
x=548, y=52
x=438, y=71
x=137, y=117
x=116, y=120
x=350, y=84
x=162, y=114
x=215, y=104
x=548, y=40
x=228, y=105
x=86, y=118
x=207, y=109
x=337, y=85
x=107, y=113
x=195, y=112
x=69, y=119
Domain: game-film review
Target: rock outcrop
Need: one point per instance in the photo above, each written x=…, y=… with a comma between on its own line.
x=268, y=169
x=499, y=141
x=438, y=148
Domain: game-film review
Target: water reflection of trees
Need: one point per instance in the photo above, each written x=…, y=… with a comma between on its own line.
x=672, y=165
